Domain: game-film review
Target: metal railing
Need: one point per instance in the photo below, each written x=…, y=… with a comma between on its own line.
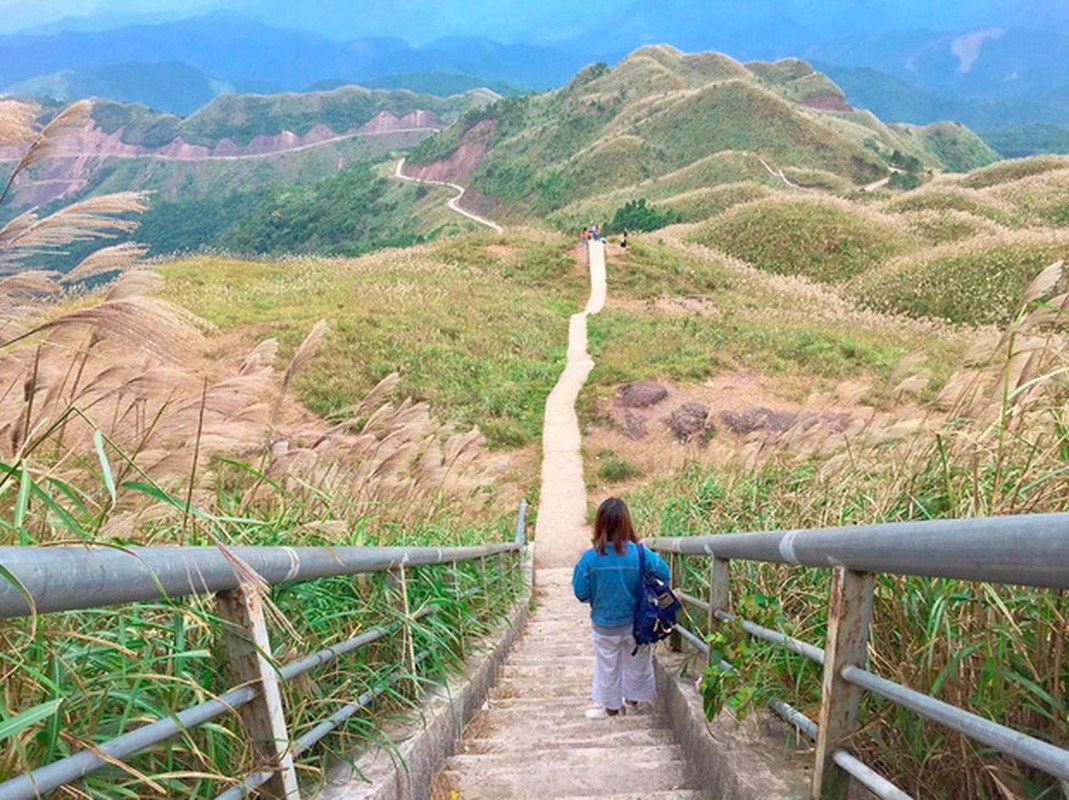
x=67, y=578
x=1028, y=550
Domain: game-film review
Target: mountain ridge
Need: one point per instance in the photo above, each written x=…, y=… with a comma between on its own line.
x=658, y=111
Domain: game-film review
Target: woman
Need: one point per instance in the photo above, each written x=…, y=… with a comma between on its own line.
x=606, y=576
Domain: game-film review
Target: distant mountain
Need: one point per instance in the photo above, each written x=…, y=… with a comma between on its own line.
x=168, y=85
x=526, y=65
x=225, y=49
x=984, y=63
x=223, y=46
x=443, y=83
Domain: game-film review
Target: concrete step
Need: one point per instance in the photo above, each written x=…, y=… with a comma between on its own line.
x=549, y=662
x=571, y=737
x=593, y=771
x=520, y=727
x=668, y=794
x=546, y=690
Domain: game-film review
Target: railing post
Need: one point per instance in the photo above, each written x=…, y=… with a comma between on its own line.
x=409, y=650
x=675, y=568
x=486, y=588
x=849, y=615
x=719, y=596
x=248, y=650
x=453, y=577
x=499, y=579
x=516, y=579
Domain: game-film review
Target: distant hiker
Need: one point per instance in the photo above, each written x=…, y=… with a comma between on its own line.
x=595, y=232
x=623, y=240
x=584, y=237
x=606, y=576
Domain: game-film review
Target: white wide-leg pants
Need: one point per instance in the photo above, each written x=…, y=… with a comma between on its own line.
x=618, y=675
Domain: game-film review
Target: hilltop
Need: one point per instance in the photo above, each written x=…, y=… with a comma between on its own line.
x=692, y=119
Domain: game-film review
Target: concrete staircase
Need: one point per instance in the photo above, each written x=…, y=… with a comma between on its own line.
x=533, y=740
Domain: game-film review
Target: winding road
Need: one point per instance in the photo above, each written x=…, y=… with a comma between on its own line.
x=454, y=204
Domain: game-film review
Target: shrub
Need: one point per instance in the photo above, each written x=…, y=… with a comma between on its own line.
x=637, y=216
x=615, y=469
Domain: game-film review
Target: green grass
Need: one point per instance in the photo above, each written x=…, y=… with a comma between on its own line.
x=820, y=240
x=480, y=337
x=614, y=469
x=688, y=348
x=654, y=269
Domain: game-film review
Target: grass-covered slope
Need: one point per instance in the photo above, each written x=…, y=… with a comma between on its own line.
x=476, y=326
x=818, y=239
x=660, y=111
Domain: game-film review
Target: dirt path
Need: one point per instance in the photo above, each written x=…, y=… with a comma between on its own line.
x=454, y=203
x=778, y=173
x=281, y=151
x=561, y=531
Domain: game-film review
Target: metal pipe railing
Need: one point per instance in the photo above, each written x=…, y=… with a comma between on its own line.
x=1027, y=748
x=72, y=577
x=873, y=781
x=1030, y=550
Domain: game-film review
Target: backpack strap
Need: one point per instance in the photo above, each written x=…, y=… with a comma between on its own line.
x=641, y=560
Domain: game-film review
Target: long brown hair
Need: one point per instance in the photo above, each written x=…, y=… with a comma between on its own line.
x=613, y=523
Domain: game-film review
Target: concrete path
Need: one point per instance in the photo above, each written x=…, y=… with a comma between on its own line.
x=454, y=204
x=561, y=532
x=533, y=739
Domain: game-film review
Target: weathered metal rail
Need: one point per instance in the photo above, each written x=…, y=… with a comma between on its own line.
x=49, y=579
x=1030, y=550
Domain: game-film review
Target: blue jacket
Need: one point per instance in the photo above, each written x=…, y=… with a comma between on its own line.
x=608, y=582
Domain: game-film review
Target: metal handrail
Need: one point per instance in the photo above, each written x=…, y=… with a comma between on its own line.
x=1031, y=550
x=75, y=577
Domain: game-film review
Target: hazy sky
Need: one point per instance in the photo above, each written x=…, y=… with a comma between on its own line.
x=547, y=20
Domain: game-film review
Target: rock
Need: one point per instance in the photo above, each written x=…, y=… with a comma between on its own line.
x=634, y=425
x=691, y=420
x=640, y=394
x=757, y=418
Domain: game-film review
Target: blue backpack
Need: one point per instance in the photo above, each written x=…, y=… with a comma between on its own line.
x=657, y=606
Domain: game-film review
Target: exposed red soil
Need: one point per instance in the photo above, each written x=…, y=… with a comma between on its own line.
x=459, y=167
x=827, y=101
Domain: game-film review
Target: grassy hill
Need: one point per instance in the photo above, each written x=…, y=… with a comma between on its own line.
x=960, y=248
x=660, y=111
x=240, y=117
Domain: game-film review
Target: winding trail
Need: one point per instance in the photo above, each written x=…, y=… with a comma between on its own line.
x=533, y=738
x=561, y=532
x=454, y=204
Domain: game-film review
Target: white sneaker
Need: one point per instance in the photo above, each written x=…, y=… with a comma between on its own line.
x=602, y=713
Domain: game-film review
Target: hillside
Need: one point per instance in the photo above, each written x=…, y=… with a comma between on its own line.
x=660, y=112
x=236, y=141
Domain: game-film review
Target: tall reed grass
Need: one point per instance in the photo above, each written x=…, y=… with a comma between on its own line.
x=119, y=424
x=998, y=651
